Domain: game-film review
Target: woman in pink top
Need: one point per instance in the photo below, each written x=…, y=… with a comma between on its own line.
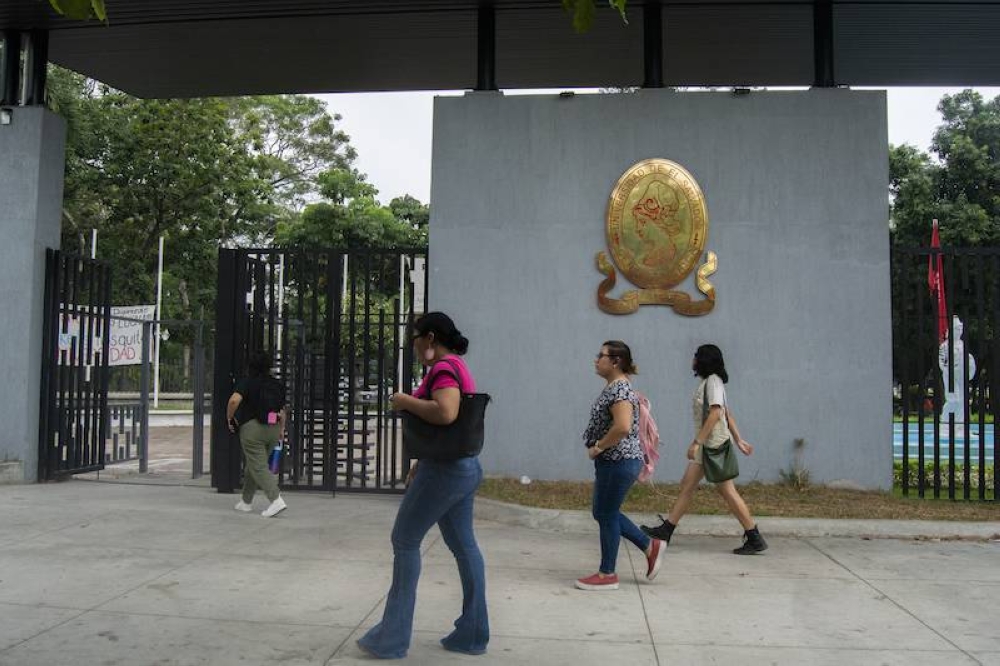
x=439, y=492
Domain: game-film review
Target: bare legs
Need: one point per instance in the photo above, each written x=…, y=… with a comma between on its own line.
x=735, y=502
x=727, y=489
x=689, y=484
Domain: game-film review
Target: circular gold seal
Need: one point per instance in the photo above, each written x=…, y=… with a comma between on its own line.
x=657, y=223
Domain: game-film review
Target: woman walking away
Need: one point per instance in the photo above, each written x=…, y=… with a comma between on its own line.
x=612, y=441
x=256, y=410
x=714, y=425
x=440, y=492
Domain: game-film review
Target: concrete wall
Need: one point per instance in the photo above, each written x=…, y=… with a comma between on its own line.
x=796, y=185
x=31, y=187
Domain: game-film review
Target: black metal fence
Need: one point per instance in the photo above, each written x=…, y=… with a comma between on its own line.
x=126, y=432
x=73, y=418
x=336, y=324
x=944, y=433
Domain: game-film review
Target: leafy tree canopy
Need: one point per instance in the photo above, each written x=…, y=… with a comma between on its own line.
x=351, y=217
x=205, y=173
x=962, y=188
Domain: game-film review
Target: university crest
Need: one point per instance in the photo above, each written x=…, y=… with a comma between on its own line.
x=657, y=225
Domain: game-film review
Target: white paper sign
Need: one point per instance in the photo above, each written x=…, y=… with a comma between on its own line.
x=125, y=347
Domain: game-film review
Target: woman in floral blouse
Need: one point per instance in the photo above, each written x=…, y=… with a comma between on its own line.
x=612, y=441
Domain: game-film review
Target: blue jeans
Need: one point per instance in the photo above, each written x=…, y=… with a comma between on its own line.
x=612, y=480
x=442, y=493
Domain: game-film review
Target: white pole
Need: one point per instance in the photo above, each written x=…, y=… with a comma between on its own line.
x=402, y=323
x=281, y=295
x=343, y=284
x=93, y=255
x=159, y=315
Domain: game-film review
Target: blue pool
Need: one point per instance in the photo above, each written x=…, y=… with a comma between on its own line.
x=913, y=428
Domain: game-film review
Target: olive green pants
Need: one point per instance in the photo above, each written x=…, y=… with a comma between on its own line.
x=257, y=441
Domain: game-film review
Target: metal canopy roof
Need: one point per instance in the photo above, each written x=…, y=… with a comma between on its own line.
x=186, y=48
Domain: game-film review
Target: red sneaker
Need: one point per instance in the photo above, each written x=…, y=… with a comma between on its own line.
x=598, y=582
x=655, y=557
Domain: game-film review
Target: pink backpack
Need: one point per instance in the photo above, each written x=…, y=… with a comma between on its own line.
x=649, y=438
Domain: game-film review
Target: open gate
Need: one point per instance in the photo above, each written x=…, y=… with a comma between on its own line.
x=335, y=322
x=73, y=417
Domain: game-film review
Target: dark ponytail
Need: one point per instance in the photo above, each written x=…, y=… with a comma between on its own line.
x=444, y=331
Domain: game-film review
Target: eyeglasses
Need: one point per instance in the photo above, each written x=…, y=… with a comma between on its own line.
x=603, y=355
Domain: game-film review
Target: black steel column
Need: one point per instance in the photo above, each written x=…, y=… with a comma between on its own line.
x=37, y=60
x=486, y=53
x=47, y=415
x=10, y=71
x=198, y=442
x=652, y=45
x=823, y=43
x=224, y=472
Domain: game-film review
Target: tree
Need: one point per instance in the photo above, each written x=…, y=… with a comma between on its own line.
x=173, y=168
x=201, y=172
x=961, y=189
x=408, y=209
x=294, y=139
x=352, y=218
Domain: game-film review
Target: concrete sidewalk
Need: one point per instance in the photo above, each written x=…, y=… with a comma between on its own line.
x=102, y=573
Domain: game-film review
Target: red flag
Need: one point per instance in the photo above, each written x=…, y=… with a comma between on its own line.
x=935, y=282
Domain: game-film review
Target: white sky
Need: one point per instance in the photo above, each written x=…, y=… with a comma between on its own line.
x=392, y=132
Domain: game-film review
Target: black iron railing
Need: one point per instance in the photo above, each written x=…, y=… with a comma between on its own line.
x=945, y=390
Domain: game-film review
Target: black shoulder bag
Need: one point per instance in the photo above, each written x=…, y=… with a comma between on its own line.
x=462, y=438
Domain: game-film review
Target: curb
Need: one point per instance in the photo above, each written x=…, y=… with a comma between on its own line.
x=558, y=520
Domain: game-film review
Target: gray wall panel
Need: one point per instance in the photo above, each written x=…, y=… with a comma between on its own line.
x=32, y=157
x=796, y=188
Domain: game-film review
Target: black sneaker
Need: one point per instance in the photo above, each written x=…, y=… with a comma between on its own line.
x=753, y=543
x=663, y=531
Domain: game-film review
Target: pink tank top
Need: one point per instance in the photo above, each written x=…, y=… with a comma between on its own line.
x=441, y=376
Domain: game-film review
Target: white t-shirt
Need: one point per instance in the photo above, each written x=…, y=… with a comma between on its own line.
x=716, y=396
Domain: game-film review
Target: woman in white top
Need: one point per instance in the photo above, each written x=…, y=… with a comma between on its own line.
x=711, y=431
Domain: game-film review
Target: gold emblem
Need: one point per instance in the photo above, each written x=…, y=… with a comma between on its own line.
x=657, y=225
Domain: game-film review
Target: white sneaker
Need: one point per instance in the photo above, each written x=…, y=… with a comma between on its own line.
x=277, y=506
x=243, y=506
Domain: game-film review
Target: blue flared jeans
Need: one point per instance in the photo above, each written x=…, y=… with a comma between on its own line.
x=612, y=480
x=442, y=493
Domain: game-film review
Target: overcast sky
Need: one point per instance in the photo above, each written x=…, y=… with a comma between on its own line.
x=392, y=132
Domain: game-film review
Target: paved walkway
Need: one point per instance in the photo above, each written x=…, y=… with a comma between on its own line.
x=120, y=574
x=170, y=451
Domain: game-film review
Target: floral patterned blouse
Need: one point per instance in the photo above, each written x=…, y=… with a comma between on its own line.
x=601, y=420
